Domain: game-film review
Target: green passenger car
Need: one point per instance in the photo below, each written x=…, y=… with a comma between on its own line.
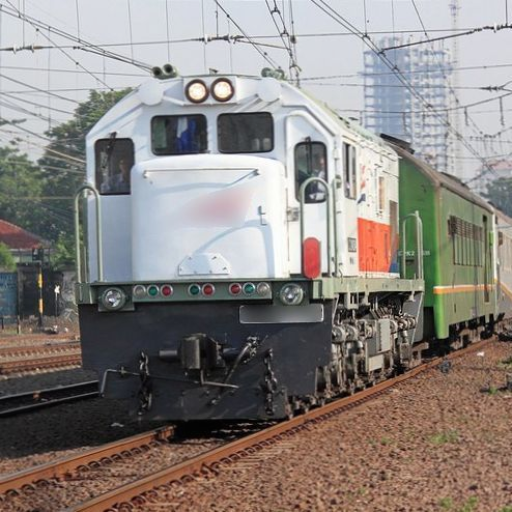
x=458, y=254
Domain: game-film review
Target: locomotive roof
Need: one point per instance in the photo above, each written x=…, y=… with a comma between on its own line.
x=441, y=179
x=351, y=124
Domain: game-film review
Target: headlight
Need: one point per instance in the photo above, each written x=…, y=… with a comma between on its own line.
x=291, y=294
x=263, y=289
x=113, y=299
x=222, y=89
x=196, y=91
x=139, y=291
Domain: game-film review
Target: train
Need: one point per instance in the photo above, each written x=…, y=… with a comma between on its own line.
x=246, y=253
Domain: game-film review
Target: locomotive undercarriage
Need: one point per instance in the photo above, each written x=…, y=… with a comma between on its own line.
x=372, y=339
x=181, y=363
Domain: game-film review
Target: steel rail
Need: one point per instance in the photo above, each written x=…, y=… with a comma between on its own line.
x=7, y=367
x=37, y=399
x=6, y=338
x=209, y=462
x=61, y=467
x=21, y=351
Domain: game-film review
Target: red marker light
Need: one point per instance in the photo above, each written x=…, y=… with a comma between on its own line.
x=235, y=289
x=311, y=259
x=167, y=290
x=208, y=289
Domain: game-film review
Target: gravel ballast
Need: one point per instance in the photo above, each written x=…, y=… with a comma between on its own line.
x=439, y=442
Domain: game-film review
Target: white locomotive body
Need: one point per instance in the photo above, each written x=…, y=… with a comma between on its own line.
x=252, y=246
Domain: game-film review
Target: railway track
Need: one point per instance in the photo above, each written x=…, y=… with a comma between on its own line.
x=40, y=349
x=12, y=486
x=34, y=357
x=48, y=362
x=32, y=338
x=30, y=401
x=210, y=463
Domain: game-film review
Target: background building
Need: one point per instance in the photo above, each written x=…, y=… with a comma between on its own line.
x=392, y=109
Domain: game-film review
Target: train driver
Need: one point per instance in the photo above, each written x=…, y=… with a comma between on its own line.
x=119, y=182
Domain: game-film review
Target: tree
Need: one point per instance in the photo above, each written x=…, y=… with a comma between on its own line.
x=63, y=162
x=7, y=263
x=21, y=184
x=63, y=254
x=499, y=193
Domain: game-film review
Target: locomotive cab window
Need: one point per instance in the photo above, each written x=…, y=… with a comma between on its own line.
x=311, y=162
x=114, y=159
x=246, y=133
x=178, y=135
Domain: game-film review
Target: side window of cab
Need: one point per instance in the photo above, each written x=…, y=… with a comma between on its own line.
x=114, y=159
x=311, y=162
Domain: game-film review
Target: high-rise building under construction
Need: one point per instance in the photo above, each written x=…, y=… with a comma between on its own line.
x=402, y=109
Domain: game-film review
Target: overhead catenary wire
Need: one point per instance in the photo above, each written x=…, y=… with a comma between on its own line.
x=336, y=16
x=494, y=28
x=79, y=45
x=286, y=39
x=263, y=54
x=445, y=77
x=63, y=51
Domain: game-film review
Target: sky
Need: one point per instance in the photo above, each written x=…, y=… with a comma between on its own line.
x=44, y=86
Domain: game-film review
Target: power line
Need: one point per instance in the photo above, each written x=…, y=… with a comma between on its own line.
x=494, y=28
x=336, y=16
x=62, y=51
x=82, y=45
x=265, y=55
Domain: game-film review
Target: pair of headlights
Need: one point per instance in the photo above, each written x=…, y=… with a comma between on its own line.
x=113, y=299
x=221, y=89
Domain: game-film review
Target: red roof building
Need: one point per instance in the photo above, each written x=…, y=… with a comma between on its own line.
x=20, y=242
x=17, y=238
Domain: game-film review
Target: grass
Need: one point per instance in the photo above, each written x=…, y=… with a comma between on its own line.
x=446, y=503
x=450, y=436
x=493, y=390
x=468, y=506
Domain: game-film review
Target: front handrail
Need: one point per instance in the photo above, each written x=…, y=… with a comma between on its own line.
x=99, y=248
x=302, y=199
x=419, y=244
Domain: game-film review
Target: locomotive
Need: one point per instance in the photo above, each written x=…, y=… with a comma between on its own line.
x=263, y=254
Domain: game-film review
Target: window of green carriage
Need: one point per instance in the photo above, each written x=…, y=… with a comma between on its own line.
x=179, y=135
x=311, y=162
x=251, y=132
x=114, y=159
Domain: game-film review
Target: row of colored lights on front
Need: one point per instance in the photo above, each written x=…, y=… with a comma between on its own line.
x=140, y=291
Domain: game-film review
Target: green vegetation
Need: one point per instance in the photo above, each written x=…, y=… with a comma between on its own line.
x=468, y=506
x=493, y=390
x=450, y=436
x=499, y=192
x=39, y=196
x=446, y=503
x=7, y=263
